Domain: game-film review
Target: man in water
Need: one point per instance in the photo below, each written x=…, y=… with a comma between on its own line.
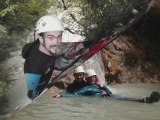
x=93, y=87
x=79, y=81
x=49, y=29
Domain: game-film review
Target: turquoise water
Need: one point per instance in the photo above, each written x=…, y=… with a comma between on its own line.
x=92, y=108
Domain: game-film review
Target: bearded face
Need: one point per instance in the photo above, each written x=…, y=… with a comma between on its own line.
x=79, y=76
x=50, y=42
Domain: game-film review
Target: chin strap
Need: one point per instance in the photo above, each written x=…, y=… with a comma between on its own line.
x=34, y=34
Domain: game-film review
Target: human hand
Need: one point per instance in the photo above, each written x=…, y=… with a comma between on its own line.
x=56, y=96
x=103, y=93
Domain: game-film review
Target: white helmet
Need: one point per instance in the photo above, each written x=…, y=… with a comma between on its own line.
x=49, y=23
x=90, y=73
x=79, y=69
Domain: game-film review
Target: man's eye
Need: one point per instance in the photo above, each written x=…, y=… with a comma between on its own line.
x=51, y=37
x=59, y=37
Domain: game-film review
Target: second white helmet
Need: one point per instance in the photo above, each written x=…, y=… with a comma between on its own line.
x=90, y=73
x=49, y=23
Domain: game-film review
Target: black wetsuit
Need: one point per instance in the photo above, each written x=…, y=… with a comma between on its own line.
x=76, y=85
x=34, y=64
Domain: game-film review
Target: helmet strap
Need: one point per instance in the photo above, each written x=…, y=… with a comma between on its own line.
x=35, y=35
x=44, y=43
x=43, y=37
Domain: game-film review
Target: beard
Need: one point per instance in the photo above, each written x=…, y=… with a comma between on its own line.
x=79, y=79
x=57, y=49
x=53, y=50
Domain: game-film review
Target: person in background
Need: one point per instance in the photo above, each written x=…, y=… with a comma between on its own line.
x=49, y=29
x=93, y=87
x=79, y=81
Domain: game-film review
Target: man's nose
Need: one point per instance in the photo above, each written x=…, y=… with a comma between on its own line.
x=92, y=78
x=57, y=40
x=79, y=76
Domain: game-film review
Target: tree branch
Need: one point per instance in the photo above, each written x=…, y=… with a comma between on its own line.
x=72, y=16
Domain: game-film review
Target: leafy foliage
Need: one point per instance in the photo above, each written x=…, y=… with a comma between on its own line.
x=97, y=18
x=18, y=15
x=91, y=18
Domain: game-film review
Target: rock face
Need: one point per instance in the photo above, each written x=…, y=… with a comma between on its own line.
x=135, y=57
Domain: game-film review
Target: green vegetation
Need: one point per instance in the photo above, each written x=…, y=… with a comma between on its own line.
x=95, y=19
x=17, y=16
x=3, y=86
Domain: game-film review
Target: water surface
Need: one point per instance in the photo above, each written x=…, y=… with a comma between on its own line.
x=92, y=108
